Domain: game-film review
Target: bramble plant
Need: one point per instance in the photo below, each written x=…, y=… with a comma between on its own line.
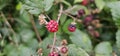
x=59, y=28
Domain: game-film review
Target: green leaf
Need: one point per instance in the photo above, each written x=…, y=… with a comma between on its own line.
x=8, y=48
x=74, y=10
x=48, y=4
x=100, y=4
x=66, y=3
x=33, y=6
x=3, y=3
x=21, y=50
x=34, y=11
x=25, y=17
x=26, y=35
x=25, y=51
x=103, y=49
x=16, y=38
x=118, y=38
x=33, y=44
x=74, y=51
x=77, y=1
x=82, y=40
x=63, y=18
x=115, y=12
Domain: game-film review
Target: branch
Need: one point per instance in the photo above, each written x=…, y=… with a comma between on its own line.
x=10, y=27
x=53, y=42
x=60, y=12
x=47, y=16
x=34, y=27
x=8, y=24
x=75, y=19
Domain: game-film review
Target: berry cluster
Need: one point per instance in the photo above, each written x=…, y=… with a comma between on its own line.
x=52, y=26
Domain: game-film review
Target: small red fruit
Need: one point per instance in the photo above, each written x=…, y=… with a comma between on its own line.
x=85, y=2
x=53, y=54
x=80, y=12
x=52, y=26
x=72, y=27
x=97, y=34
x=64, y=50
x=87, y=20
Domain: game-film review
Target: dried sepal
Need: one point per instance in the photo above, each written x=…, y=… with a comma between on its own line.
x=64, y=42
x=42, y=19
x=40, y=52
x=73, y=23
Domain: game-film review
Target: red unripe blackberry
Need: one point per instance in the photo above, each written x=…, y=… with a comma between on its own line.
x=64, y=50
x=96, y=34
x=87, y=20
x=52, y=26
x=72, y=27
x=85, y=2
x=53, y=54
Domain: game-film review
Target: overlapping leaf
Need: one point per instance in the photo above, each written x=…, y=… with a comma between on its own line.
x=82, y=40
x=103, y=49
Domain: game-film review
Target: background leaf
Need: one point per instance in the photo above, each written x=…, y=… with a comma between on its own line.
x=103, y=49
x=48, y=4
x=77, y=1
x=76, y=51
x=100, y=4
x=81, y=40
x=118, y=38
x=115, y=12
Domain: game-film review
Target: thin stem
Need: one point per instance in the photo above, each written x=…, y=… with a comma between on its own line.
x=67, y=3
x=47, y=16
x=10, y=27
x=75, y=19
x=54, y=40
x=8, y=24
x=34, y=27
x=60, y=12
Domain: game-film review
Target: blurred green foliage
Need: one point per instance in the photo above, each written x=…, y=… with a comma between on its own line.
x=18, y=38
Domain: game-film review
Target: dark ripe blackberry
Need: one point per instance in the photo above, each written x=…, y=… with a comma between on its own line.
x=72, y=27
x=81, y=12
